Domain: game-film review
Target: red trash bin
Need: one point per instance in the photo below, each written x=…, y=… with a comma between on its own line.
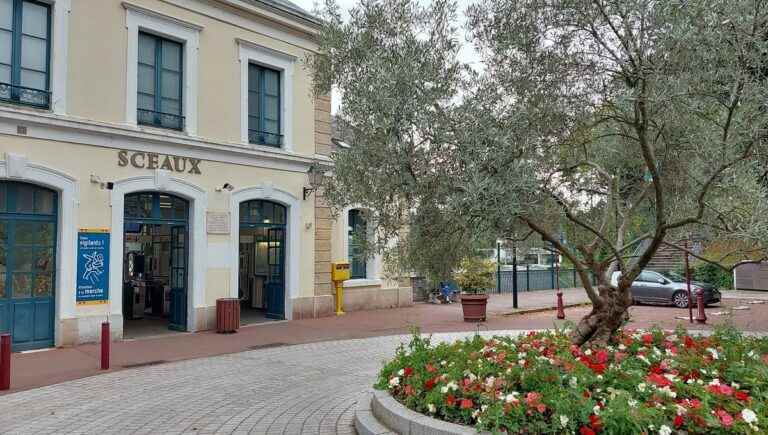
x=227, y=315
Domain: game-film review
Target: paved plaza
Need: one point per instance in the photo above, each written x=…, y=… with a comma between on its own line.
x=303, y=389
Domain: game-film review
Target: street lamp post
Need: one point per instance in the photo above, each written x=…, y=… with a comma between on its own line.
x=514, y=273
x=498, y=266
x=560, y=308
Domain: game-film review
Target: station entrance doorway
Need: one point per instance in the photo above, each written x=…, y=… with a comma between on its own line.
x=262, y=261
x=155, y=256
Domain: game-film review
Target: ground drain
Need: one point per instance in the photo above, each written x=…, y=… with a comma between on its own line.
x=145, y=364
x=266, y=346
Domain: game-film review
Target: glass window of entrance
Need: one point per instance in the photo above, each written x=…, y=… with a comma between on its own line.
x=358, y=230
x=160, y=81
x=25, y=28
x=262, y=212
x=264, y=106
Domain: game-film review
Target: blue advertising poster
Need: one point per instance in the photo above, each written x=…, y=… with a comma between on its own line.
x=92, y=267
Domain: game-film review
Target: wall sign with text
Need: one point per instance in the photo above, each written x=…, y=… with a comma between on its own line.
x=141, y=160
x=92, y=267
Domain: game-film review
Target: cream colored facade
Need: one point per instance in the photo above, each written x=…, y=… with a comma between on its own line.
x=74, y=148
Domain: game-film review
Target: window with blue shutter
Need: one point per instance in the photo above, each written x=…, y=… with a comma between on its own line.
x=264, y=106
x=160, y=81
x=25, y=45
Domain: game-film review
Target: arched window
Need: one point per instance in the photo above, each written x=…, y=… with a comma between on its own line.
x=356, y=233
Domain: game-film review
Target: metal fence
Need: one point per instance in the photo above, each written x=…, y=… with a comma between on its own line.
x=529, y=279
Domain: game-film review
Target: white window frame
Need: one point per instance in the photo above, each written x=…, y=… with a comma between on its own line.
x=59, y=46
x=284, y=63
x=373, y=265
x=138, y=20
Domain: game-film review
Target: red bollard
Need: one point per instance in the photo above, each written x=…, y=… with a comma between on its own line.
x=105, y=346
x=560, y=311
x=702, y=316
x=5, y=362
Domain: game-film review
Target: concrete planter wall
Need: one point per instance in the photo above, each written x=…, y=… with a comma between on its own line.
x=379, y=413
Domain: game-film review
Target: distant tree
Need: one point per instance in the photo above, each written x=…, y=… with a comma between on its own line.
x=607, y=127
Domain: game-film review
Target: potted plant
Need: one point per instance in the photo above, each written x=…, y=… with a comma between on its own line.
x=475, y=277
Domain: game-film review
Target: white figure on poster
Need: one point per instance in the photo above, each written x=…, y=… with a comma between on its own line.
x=94, y=267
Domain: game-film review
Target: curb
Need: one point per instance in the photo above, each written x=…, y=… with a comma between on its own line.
x=379, y=413
x=541, y=309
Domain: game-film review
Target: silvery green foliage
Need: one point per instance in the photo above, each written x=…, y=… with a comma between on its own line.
x=617, y=125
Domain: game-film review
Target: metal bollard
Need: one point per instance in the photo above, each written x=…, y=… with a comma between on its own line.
x=702, y=315
x=5, y=362
x=105, y=346
x=560, y=310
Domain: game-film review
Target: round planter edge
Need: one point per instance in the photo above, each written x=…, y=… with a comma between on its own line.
x=399, y=419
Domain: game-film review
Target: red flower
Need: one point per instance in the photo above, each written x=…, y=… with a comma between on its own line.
x=742, y=395
x=689, y=342
x=765, y=358
x=466, y=404
x=619, y=357
x=601, y=356
x=586, y=431
x=678, y=421
x=658, y=380
x=595, y=422
x=430, y=384
x=647, y=338
x=408, y=390
x=450, y=400
x=430, y=368
x=408, y=371
x=725, y=390
x=691, y=403
x=725, y=418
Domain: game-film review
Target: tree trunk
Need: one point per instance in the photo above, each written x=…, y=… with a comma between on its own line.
x=600, y=325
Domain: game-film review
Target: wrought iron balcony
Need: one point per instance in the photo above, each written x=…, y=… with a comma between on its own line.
x=160, y=119
x=23, y=95
x=259, y=137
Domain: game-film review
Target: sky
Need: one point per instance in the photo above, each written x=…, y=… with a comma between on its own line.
x=467, y=54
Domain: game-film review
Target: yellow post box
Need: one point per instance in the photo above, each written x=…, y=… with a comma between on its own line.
x=340, y=272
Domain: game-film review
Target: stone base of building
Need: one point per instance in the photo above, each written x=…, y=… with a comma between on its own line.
x=355, y=299
x=88, y=329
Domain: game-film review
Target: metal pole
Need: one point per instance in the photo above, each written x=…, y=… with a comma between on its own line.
x=498, y=266
x=5, y=362
x=105, y=346
x=560, y=311
x=514, y=274
x=688, y=283
x=527, y=277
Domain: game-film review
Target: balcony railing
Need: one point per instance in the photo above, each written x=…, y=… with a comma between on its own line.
x=259, y=137
x=23, y=95
x=160, y=119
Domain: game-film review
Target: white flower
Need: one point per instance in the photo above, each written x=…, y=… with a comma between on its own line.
x=563, y=421
x=512, y=397
x=632, y=403
x=752, y=354
x=714, y=353
x=431, y=408
x=599, y=377
x=622, y=347
x=395, y=381
x=641, y=387
x=749, y=416
x=596, y=410
x=665, y=430
x=714, y=382
x=490, y=381
x=573, y=382
x=643, y=359
x=521, y=362
x=588, y=352
x=401, y=372
x=475, y=414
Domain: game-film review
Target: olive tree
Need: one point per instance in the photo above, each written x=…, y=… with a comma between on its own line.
x=606, y=127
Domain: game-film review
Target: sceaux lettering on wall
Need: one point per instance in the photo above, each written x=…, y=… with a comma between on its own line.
x=142, y=160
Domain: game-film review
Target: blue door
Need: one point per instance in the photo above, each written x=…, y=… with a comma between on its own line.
x=275, y=280
x=177, y=318
x=27, y=264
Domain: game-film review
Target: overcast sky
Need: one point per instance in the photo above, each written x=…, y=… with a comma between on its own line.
x=467, y=53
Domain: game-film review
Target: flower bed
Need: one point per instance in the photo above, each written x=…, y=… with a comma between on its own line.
x=651, y=382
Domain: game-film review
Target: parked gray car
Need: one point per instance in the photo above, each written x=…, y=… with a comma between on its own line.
x=668, y=288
